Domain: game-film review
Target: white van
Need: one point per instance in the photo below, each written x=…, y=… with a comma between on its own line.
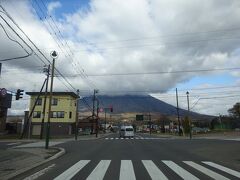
x=126, y=131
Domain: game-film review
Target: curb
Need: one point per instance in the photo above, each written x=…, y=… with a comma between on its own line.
x=61, y=152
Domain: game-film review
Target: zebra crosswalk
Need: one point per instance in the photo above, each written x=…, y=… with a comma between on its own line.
x=132, y=138
x=153, y=169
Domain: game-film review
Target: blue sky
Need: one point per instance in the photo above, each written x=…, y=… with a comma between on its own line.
x=70, y=6
x=214, y=80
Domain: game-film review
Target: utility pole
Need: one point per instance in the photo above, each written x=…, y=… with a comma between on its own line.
x=179, y=133
x=93, y=112
x=97, y=118
x=76, y=125
x=189, y=120
x=105, y=120
x=45, y=101
x=54, y=56
x=149, y=117
x=31, y=113
x=220, y=119
x=94, y=97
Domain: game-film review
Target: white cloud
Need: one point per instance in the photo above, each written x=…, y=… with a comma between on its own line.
x=53, y=5
x=120, y=37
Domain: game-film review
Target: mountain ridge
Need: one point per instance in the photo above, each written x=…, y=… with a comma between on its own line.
x=137, y=103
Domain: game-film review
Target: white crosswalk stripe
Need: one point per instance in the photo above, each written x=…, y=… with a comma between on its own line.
x=100, y=170
x=126, y=170
x=69, y=173
x=180, y=171
x=137, y=138
x=153, y=170
x=222, y=168
x=206, y=171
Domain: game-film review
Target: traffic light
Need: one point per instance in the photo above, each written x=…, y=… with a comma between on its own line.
x=19, y=94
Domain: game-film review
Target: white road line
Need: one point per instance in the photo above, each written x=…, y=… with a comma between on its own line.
x=16, y=143
x=222, y=168
x=154, y=172
x=111, y=138
x=139, y=136
x=39, y=173
x=70, y=172
x=122, y=138
x=136, y=138
x=126, y=170
x=206, y=171
x=100, y=170
x=116, y=138
x=106, y=138
x=180, y=171
x=132, y=138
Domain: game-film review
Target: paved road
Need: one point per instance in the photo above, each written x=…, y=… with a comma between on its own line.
x=143, y=157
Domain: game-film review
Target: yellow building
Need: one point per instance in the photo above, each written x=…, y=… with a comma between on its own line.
x=63, y=113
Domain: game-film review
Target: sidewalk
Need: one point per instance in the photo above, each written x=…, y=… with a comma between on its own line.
x=23, y=157
x=18, y=160
x=231, y=136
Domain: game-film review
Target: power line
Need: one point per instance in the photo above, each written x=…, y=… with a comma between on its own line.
x=167, y=36
x=158, y=72
x=36, y=48
x=61, y=40
x=20, y=57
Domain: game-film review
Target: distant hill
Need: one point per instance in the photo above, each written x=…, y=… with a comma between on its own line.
x=136, y=103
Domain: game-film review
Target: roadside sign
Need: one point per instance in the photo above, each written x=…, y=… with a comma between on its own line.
x=3, y=92
x=139, y=117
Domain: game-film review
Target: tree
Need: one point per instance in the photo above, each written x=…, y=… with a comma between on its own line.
x=186, y=127
x=235, y=110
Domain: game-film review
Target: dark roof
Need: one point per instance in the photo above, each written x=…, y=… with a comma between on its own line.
x=54, y=93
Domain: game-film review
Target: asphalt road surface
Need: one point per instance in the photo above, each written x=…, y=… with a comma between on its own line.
x=143, y=157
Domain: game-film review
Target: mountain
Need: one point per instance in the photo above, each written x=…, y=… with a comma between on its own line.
x=136, y=103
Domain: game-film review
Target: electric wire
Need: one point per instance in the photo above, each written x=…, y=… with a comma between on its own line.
x=20, y=57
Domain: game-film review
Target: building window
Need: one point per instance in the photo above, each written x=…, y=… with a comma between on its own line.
x=70, y=115
x=39, y=102
x=37, y=114
x=54, y=101
x=57, y=114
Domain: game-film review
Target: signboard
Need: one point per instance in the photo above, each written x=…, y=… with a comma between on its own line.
x=139, y=117
x=101, y=110
x=6, y=101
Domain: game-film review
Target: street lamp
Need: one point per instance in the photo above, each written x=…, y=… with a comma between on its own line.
x=190, y=124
